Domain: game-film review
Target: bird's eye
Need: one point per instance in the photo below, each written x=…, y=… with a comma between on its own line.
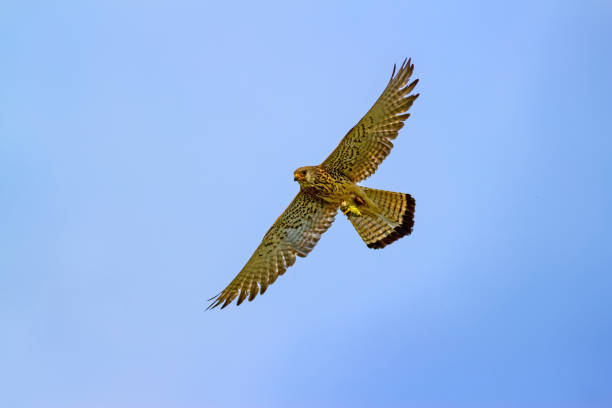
x=303, y=172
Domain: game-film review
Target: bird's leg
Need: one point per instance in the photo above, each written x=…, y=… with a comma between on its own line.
x=348, y=209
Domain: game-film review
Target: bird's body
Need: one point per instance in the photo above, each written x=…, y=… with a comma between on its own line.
x=380, y=217
x=334, y=188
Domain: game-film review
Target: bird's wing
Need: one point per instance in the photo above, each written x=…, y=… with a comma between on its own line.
x=367, y=144
x=295, y=232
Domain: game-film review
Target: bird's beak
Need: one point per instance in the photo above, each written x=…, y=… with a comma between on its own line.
x=297, y=177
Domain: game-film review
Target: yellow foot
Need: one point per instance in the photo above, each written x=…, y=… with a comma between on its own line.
x=350, y=209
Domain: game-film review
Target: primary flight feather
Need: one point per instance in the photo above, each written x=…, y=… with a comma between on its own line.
x=380, y=217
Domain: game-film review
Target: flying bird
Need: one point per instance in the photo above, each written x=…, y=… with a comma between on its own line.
x=380, y=217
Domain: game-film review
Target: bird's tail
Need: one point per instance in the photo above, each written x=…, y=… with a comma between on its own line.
x=393, y=219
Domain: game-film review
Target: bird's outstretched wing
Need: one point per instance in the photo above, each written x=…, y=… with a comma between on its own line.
x=295, y=232
x=367, y=144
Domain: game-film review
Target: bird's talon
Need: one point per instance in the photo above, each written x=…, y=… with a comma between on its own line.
x=351, y=210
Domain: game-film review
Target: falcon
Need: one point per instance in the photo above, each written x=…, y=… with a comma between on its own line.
x=380, y=217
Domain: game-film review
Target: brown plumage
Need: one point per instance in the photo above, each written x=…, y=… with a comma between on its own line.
x=380, y=217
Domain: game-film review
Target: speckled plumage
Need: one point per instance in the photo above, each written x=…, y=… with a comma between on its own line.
x=380, y=217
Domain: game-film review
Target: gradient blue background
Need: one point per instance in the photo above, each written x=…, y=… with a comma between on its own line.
x=146, y=147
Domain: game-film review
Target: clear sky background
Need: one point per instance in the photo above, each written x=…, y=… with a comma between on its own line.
x=146, y=147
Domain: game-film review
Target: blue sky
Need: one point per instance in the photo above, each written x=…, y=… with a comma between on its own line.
x=146, y=147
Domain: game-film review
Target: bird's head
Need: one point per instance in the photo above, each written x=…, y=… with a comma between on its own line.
x=305, y=175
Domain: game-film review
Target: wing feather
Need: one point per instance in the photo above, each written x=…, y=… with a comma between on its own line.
x=295, y=233
x=368, y=143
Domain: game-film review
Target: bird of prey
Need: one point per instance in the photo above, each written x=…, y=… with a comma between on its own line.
x=380, y=217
